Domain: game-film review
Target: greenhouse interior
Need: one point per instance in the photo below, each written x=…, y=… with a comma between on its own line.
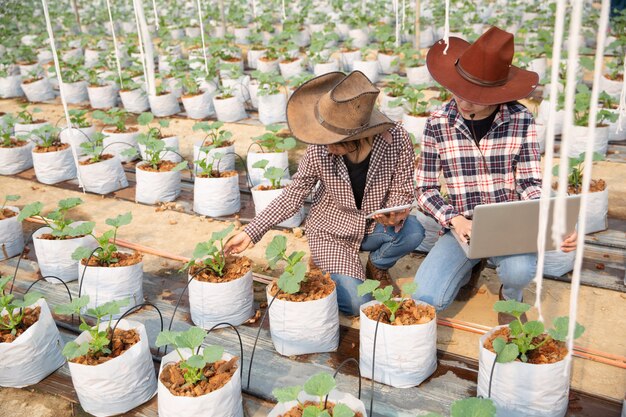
x=404, y=208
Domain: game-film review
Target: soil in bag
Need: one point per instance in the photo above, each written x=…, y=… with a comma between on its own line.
x=594, y=186
x=317, y=286
x=236, y=267
x=104, y=157
x=407, y=314
x=7, y=214
x=31, y=315
x=123, y=259
x=54, y=148
x=163, y=166
x=297, y=411
x=550, y=352
x=49, y=236
x=15, y=143
x=122, y=341
x=216, y=376
x=215, y=174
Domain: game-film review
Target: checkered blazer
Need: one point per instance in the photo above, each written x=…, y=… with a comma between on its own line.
x=335, y=227
x=509, y=171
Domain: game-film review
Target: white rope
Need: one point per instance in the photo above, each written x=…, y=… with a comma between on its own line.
x=57, y=68
x=143, y=58
x=446, y=28
x=149, y=52
x=396, y=6
x=156, y=15
x=546, y=189
x=403, y=14
x=582, y=218
x=206, y=62
x=117, y=58
x=254, y=8
x=284, y=12
x=621, y=110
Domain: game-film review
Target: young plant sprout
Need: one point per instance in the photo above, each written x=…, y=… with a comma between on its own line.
x=576, y=166
x=385, y=295
x=94, y=147
x=582, y=104
x=319, y=385
x=100, y=340
x=154, y=132
x=415, y=100
x=7, y=198
x=191, y=339
x=207, y=164
x=522, y=335
x=14, y=309
x=395, y=85
x=210, y=254
x=47, y=136
x=27, y=117
x=214, y=133
x=106, y=242
x=295, y=270
x=270, y=83
x=271, y=142
x=78, y=118
x=57, y=220
x=113, y=117
x=470, y=407
x=273, y=174
x=6, y=141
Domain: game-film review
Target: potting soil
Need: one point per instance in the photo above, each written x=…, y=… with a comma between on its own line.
x=551, y=352
x=217, y=375
x=54, y=148
x=103, y=157
x=407, y=314
x=316, y=287
x=235, y=268
x=6, y=214
x=163, y=166
x=123, y=259
x=297, y=411
x=31, y=315
x=122, y=341
x=14, y=143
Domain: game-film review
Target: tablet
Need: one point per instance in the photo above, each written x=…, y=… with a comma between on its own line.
x=389, y=210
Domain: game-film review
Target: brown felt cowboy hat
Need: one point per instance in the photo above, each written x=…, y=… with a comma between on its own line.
x=481, y=73
x=334, y=108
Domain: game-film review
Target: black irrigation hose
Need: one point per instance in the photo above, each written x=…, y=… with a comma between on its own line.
x=245, y=167
x=82, y=278
x=371, y=413
x=258, y=333
x=117, y=143
x=337, y=372
x=493, y=367
x=238, y=336
x=132, y=310
x=19, y=260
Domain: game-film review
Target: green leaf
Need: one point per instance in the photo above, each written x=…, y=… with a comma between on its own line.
x=261, y=164
x=284, y=395
x=289, y=282
x=130, y=152
x=295, y=257
x=180, y=166
x=109, y=308
x=82, y=229
x=98, y=115
x=213, y=353
x=320, y=384
x=191, y=338
x=342, y=410
x=219, y=236
x=276, y=249
x=69, y=203
x=196, y=361
x=383, y=294
x=145, y=118
x=313, y=411
x=367, y=287
x=32, y=209
x=74, y=350
x=3, y=282
x=121, y=220
x=533, y=328
x=507, y=352
x=516, y=328
x=166, y=337
x=81, y=252
x=512, y=307
x=29, y=299
x=72, y=308
x=473, y=407
x=12, y=197
x=409, y=288
x=561, y=326
x=164, y=123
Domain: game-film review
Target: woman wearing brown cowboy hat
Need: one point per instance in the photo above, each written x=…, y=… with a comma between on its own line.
x=362, y=162
x=485, y=144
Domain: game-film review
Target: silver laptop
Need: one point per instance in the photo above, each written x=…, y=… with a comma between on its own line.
x=512, y=228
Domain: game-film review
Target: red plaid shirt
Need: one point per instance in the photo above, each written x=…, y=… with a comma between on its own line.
x=335, y=227
x=510, y=169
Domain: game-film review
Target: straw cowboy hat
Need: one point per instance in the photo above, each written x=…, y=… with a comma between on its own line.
x=334, y=108
x=481, y=73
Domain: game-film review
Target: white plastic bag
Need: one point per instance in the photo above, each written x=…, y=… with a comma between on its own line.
x=262, y=199
x=388, y=64
x=135, y=101
x=26, y=129
x=369, y=68
x=267, y=66
x=580, y=134
x=153, y=187
x=360, y=37
x=348, y=58
x=54, y=167
x=76, y=136
x=76, y=92
x=275, y=159
x=253, y=57
x=17, y=159
x=272, y=109
x=120, y=384
x=34, y=355
x=229, y=109
x=213, y=303
x=102, y=97
x=104, y=284
x=290, y=69
x=11, y=235
x=419, y=75
x=521, y=389
x=597, y=211
x=226, y=162
x=103, y=177
x=394, y=113
x=170, y=142
x=116, y=143
x=10, y=86
x=334, y=396
x=224, y=402
x=199, y=106
x=163, y=105
x=37, y=91
x=325, y=67
x=216, y=196
x=405, y=355
x=55, y=256
x=298, y=328
x=414, y=125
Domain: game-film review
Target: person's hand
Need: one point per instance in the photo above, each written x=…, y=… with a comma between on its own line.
x=463, y=227
x=569, y=244
x=393, y=218
x=238, y=243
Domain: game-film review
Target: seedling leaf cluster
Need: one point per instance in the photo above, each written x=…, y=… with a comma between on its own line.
x=14, y=309
x=106, y=242
x=57, y=220
x=210, y=254
x=295, y=270
x=385, y=295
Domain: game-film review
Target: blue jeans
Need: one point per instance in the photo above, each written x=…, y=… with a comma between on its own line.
x=446, y=269
x=386, y=247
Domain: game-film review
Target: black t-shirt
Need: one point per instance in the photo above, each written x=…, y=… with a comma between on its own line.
x=479, y=128
x=358, y=175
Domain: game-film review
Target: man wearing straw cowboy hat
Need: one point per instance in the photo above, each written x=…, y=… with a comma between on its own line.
x=485, y=144
x=362, y=162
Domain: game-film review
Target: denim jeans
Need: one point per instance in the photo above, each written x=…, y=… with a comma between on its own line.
x=386, y=247
x=446, y=269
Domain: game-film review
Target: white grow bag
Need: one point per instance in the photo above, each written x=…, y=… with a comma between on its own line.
x=325, y=67
x=11, y=235
x=216, y=196
x=348, y=58
x=212, y=303
x=369, y=68
x=298, y=328
x=40, y=90
x=272, y=109
x=275, y=159
x=405, y=355
x=520, y=389
x=103, y=177
x=164, y=105
x=264, y=198
x=34, y=355
x=394, y=113
x=55, y=256
x=580, y=134
x=104, y=284
x=419, y=75
x=291, y=69
x=76, y=136
x=335, y=396
x=414, y=125
x=153, y=187
x=116, y=143
x=26, y=129
x=170, y=142
x=388, y=64
x=254, y=55
x=224, y=402
x=226, y=163
x=135, y=101
x=102, y=97
x=54, y=167
x=597, y=211
x=11, y=86
x=199, y=106
x=229, y=109
x=17, y=159
x=120, y=384
x=75, y=92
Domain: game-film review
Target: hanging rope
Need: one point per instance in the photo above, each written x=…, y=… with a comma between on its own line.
x=621, y=110
x=396, y=6
x=143, y=58
x=546, y=189
x=57, y=68
x=254, y=9
x=403, y=14
x=284, y=12
x=206, y=62
x=446, y=28
x=147, y=44
x=156, y=15
x=117, y=58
